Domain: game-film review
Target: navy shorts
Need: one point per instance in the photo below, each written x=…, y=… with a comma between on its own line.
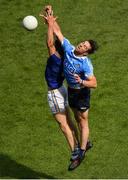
x=79, y=98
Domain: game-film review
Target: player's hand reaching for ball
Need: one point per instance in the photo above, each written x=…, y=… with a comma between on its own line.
x=48, y=15
x=48, y=10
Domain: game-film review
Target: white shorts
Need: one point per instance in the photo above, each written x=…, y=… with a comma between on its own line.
x=58, y=99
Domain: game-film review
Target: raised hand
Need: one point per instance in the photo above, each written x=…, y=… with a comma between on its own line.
x=48, y=10
x=47, y=15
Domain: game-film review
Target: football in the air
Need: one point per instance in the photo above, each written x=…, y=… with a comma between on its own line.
x=30, y=22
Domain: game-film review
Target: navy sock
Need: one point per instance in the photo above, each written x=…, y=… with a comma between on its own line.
x=82, y=152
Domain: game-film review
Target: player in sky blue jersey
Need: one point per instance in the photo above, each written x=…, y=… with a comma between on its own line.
x=57, y=93
x=75, y=65
x=78, y=71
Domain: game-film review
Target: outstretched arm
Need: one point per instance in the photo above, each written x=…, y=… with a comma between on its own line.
x=57, y=31
x=56, y=28
x=50, y=40
x=50, y=36
x=50, y=19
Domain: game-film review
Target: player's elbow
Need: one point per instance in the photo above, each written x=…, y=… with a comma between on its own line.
x=94, y=85
x=94, y=82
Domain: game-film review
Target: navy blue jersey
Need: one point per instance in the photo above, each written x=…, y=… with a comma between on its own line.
x=54, y=72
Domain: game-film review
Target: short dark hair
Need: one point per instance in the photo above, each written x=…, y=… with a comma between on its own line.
x=94, y=46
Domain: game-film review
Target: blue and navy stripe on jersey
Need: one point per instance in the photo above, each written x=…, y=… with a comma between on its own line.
x=54, y=72
x=75, y=65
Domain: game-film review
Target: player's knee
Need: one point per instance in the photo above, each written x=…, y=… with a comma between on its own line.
x=63, y=126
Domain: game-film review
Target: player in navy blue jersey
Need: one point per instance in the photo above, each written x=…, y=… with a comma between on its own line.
x=78, y=71
x=57, y=93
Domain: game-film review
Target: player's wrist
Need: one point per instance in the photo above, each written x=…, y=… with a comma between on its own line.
x=81, y=82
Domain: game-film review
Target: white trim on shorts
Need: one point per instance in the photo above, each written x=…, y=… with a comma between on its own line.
x=58, y=99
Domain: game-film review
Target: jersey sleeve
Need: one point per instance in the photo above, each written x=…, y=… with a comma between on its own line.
x=88, y=68
x=67, y=46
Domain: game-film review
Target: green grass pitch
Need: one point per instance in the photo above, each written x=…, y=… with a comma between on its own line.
x=31, y=144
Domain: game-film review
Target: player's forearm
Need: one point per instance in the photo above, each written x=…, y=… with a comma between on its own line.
x=57, y=31
x=50, y=37
x=89, y=83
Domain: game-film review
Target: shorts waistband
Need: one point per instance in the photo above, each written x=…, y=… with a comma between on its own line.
x=76, y=88
x=51, y=89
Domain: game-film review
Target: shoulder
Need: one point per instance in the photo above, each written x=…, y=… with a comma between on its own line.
x=88, y=61
x=87, y=64
x=65, y=40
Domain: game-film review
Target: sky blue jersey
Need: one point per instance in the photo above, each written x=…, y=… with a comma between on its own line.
x=75, y=65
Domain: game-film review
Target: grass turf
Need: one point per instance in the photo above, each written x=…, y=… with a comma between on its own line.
x=31, y=145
